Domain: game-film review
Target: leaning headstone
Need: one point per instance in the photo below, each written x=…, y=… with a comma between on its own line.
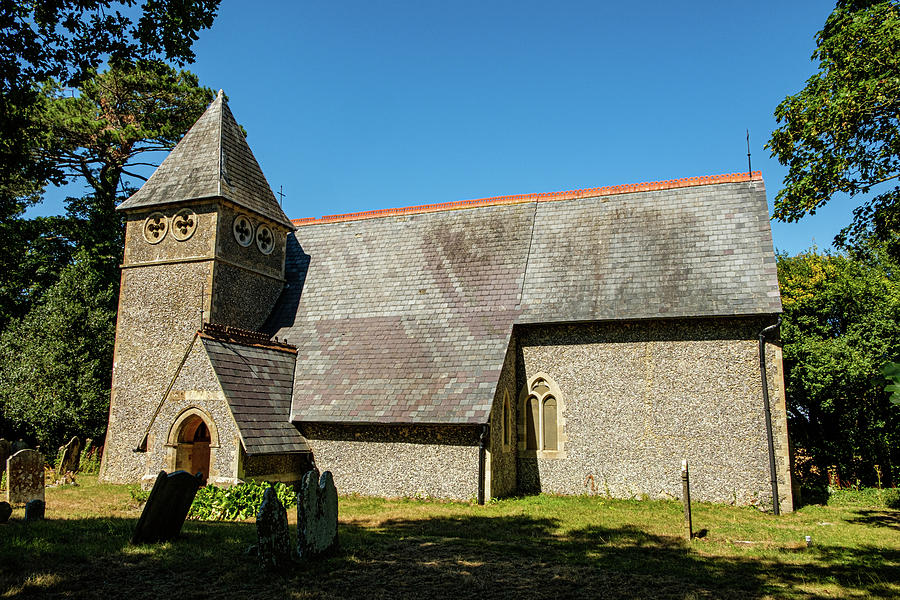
x=34, y=511
x=5, y=452
x=317, y=514
x=5, y=512
x=167, y=507
x=25, y=477
x=69, y=457
x=274, y=538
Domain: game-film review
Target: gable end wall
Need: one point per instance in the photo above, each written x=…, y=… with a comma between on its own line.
x=195, y=386
x=641, y=396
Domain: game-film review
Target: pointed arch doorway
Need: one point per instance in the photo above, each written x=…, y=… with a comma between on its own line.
x=192, y=445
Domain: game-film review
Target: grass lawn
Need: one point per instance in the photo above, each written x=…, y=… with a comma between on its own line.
x=543, y=546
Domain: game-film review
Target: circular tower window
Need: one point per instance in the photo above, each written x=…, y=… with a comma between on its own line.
x=155, y=227
x=184, y=224
x=265, y=239
x=243, y=230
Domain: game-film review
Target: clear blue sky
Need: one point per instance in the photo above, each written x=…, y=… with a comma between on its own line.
x=356, y=106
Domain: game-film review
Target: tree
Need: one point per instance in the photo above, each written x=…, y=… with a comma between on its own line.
x=841, y=326
x=98, y=135
x=102, y=134
x=55, y=362
x=64, y=41
x=841, y=133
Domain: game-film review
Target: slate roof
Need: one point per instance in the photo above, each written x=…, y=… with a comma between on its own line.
x=405, y=318
x=257, y=382
x=212, y=160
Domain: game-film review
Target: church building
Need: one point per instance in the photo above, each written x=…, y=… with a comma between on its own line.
x=581, y=342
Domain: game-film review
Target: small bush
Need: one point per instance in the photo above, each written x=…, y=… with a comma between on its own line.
x=892, y=498
x=855, y=497
x=239, y=502
x=90, y=460
x=138, y=495
x=814, y=493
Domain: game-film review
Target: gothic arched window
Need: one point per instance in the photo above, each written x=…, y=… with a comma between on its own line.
x=540, y=419
x=506, y=424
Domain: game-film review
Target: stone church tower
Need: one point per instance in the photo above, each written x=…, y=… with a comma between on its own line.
x=204, y=243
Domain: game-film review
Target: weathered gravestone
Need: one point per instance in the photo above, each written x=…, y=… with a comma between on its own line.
x=167, y=507
x=274, y=538
x=25, y=477
x=34, y=511
x=5, y=512
x=5, y=453
x=317, y=514
x=69, y=458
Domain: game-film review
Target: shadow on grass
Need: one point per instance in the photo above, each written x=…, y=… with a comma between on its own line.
x=878, y=518
x=459, y=557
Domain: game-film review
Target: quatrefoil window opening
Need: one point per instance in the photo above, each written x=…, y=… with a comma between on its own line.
x=155, y=227
x=265, y=239
x=243, y=230
x=184, y=224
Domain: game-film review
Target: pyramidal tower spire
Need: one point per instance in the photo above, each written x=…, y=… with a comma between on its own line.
x=211, y=160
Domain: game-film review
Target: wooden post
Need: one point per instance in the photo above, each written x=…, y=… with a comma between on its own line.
x=686, y=494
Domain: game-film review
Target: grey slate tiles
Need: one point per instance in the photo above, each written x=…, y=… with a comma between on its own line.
x=407, y=319
x=688, y=252
x=257, y=383
x=212, y=160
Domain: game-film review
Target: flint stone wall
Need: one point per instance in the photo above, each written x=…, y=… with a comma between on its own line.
x=196, y=387
x=243, y=298
x=398, y=461
x=250, y=257
x=641, y=396
x=285, y=468
x=161, y=305
x=159, y=312
x=501, y=470
x=200, y=244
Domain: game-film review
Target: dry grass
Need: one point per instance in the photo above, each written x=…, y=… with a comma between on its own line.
x=530, y=547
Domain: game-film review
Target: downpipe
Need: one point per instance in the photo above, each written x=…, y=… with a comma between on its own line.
x=776, y=508
x=482, y=448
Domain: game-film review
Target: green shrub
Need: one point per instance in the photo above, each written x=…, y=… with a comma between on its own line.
x=855, y=497
x=238, y=502
x=138, y=495
x=892, y=498
x=90, y=461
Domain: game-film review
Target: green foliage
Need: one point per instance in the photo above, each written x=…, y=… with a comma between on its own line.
x=841, y=324
x=891, y=372
x=138, y=495
x=34, y=253
x=65, y=41
x=55, y=362
x=90, y=460
x=116, y=116
x=891, y=498
x=238, y=502
x=58, y=295
x=841, y=133
x=867, y=496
